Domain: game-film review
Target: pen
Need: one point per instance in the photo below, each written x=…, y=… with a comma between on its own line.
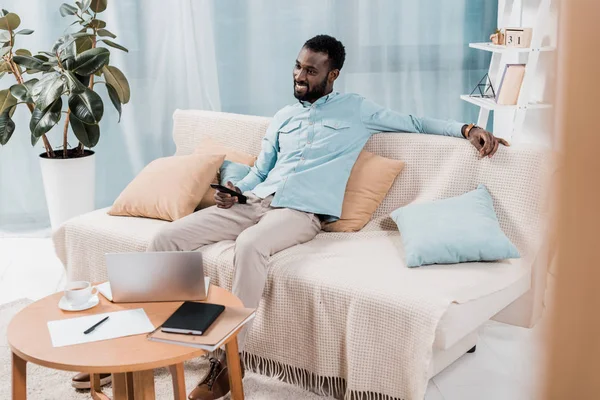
x=91, y=328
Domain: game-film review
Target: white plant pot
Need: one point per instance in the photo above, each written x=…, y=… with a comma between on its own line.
x=69, y=185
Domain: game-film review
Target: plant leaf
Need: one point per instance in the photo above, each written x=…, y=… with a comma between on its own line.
x=23, y=52
x=106, y=33
x=87, y=106
x=113, y=44
x=31, y=62
x=43, y=120
x=24, y=91
x=98, y=5
x=5, y=37
x=75, y=85
x=4, y=67
x=5, y=50
x=10, y=22
x=84, y=5
x=85, y=133
x=4, y=12
x=117, y=80
x=7, y=100
x=97, y=23
x=67, y=9
x=7, y=126
x=83, y=44
x=90, y=61
x=114, y=98
x=41, y=57
x=24, y=32
x=47, y=90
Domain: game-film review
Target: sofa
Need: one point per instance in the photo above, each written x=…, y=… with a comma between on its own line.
x=342, y=315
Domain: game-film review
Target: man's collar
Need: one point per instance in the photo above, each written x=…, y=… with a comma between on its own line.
x=320, y=101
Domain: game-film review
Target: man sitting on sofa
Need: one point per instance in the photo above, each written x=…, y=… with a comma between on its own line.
x=298, y=179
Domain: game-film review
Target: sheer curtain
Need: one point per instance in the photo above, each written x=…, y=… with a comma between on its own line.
x=237, y=56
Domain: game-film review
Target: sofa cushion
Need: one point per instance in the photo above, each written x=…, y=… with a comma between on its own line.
x=168, y=188
x=458, y=229
x=370, y=179
x=208, y=145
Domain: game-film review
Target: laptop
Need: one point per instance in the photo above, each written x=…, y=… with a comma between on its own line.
x=156, y=276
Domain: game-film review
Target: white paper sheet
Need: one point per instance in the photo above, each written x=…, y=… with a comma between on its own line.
x=67, y=332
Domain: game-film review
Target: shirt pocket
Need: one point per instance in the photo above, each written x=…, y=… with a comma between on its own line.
x=289, y=137
x=335, y=132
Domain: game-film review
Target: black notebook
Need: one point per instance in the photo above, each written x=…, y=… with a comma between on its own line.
x=192, y=318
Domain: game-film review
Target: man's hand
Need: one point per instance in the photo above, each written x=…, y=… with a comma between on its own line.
x=225, y=200
x=485, y=141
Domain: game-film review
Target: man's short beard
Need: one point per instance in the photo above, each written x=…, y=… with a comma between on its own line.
x=313, y=94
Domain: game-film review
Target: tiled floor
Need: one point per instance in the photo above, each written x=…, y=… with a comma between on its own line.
x=503, y=367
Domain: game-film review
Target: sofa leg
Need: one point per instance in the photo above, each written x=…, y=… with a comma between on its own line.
x=472, y=350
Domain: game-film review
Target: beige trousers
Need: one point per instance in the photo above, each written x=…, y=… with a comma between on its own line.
x=259, y=231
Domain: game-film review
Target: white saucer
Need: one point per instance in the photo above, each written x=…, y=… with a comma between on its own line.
x=63, y=304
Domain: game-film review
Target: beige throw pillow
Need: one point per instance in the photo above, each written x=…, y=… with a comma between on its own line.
x=210, y=146
x=370, y=179
x=168, y=188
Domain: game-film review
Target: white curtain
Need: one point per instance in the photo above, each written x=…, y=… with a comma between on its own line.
x=237, y=56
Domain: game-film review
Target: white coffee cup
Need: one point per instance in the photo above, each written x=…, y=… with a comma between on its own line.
x=79, y=292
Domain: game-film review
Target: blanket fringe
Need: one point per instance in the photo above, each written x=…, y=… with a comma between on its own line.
x=321, y=385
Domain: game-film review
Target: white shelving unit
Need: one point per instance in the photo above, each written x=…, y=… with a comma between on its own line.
x=512, y=117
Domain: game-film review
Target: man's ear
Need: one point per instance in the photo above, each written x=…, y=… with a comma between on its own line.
x=333, y=75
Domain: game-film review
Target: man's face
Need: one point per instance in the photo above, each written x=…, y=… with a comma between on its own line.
x=311, y=76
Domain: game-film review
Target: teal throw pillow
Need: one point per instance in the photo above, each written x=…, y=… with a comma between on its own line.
x=233, y=172
x=459, y=229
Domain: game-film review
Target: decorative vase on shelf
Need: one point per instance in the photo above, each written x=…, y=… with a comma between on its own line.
x=497, y=37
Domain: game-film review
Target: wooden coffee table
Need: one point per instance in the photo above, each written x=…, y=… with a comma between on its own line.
x=131, y=360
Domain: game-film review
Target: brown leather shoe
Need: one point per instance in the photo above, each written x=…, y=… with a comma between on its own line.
x=216, y=384
x=82, y=380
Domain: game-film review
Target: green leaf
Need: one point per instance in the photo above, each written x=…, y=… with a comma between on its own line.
x=106, y=33
x=84, y=5
x=90, y=61
x=117, y=80
x=24, y=32
x=5, y=50
x=85, y=133
x=97, y=24
x=4, y=12
x=4, y=67
x=41, y=57
x=87, y=106
x=5, y=37
x=23, y=52
x=7, y=126
x=10, y=22
x=24, y=91
x=83, y=44
x=98, y=5
x=75, y=85
x=67, y=9
x=47, y=90
x=114, y=98
x=43, y=120
x=7, y=100
x=113, y=44
x=30, y=62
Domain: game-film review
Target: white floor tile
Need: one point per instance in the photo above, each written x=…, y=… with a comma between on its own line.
x=486, y=392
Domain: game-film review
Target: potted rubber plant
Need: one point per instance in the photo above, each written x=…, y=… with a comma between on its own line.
x=59, y=86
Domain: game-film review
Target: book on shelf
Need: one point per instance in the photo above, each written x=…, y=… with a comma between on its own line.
x=226, y=325
x=510, y=84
